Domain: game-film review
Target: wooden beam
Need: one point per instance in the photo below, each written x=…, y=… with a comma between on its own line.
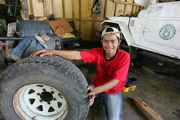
x=63, y=6
x=53, y=9
x=73, y=9
x=132, y=10
x=124, y=10
x=115, y=9
x=89, y=20
x=79, y=15
x=45, y=8
x=146, y=110
x=92, y=23
x=30, y=7
x=105, y=4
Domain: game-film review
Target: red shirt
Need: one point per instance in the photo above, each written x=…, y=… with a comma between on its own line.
x=106, y=70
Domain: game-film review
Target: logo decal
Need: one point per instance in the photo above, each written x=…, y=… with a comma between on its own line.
x=167, y=32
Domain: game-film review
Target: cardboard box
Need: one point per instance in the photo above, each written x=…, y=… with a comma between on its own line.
x=63, y=22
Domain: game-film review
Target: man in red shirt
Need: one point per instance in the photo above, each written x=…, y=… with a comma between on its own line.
x=112, y=66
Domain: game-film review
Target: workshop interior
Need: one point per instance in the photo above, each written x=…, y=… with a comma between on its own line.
x=54, y=88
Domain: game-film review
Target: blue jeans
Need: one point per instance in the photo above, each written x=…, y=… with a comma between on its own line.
x=21, y=48
x=113, y=105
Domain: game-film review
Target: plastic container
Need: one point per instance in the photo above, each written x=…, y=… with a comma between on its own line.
x=126, y=88
x=132, y=82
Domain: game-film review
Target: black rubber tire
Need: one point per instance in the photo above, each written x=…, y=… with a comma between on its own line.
x=78, y=62
x=49, y=70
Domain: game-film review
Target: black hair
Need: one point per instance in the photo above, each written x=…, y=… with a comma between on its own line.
x=111, y=30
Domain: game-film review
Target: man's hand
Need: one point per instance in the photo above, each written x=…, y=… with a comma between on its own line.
x=92, y=94
x=106, y=86
x=42, y=52
x=68, y=54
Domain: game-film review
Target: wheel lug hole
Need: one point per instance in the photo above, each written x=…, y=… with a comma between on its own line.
x=54, y=99
x=52, y=92
x=49, y=103
x=38, y=94
x=41, y=100
x=44, y=90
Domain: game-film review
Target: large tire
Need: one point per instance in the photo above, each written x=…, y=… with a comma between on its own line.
x=24, y=79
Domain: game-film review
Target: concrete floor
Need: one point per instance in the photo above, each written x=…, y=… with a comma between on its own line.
x=158, y=86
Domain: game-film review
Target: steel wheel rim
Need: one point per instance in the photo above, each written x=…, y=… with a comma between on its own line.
x=40, y=101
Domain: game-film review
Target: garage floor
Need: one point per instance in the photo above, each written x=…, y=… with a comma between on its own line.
x=158, y=86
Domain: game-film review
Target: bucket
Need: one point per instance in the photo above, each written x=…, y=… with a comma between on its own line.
x=132, y=83
x=126, y=88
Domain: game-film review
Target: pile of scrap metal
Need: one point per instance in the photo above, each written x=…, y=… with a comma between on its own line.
x=27, y=36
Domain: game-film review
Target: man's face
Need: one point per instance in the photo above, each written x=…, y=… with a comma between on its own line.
x=110, y=44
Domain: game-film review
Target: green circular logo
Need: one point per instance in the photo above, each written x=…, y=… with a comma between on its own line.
x=167, y=32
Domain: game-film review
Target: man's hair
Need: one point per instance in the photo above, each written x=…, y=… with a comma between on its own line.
x=109, y=29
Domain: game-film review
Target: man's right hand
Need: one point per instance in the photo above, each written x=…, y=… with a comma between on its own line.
x=91, y=93
x=42, y=52
x=70, y=55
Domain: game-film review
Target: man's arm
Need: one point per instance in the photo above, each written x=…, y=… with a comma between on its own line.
x=71, y=55
x=106, y=86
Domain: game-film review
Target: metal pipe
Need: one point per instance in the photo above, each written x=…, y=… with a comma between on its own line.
x=22, y=38
x=11, y=38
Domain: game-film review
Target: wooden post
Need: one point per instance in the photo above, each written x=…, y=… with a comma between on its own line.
x=146, y=110
x=92, y=24
x=73, y=10
x=31, y=6
x=124, y=9
x=53, y=9
x=115, y=9
x=105, y=7
x=63, y=5
x=80, y=15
